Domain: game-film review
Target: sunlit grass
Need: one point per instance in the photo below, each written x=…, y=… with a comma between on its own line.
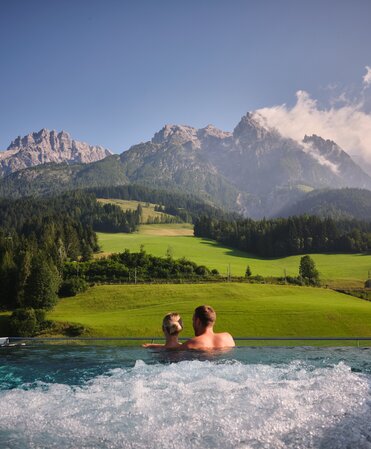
x=243, y=310
x=339, y=269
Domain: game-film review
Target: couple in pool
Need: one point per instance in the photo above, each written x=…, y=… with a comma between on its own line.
x=204, y=318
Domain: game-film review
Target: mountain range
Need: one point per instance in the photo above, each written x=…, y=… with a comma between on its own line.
x=45, y=147
x=253, y=170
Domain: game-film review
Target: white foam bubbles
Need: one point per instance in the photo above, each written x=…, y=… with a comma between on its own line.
x=194, y=404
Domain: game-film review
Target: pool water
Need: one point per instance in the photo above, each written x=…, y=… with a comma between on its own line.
x=114, y=397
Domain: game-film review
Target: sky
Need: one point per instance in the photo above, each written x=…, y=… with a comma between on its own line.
x=114, y=72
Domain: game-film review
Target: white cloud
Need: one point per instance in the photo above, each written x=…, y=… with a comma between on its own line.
x=348, y=125
x=367, y=77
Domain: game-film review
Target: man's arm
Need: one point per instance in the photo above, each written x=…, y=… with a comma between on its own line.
x=189, y=344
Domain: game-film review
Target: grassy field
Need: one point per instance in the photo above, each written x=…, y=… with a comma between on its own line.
x=148, y=209
x=243, y=310
x=349, y=270
x=167, y=230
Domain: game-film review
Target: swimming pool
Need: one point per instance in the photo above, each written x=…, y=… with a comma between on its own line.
x=114, y=397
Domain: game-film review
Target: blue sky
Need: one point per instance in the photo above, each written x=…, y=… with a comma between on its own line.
x=113, y=72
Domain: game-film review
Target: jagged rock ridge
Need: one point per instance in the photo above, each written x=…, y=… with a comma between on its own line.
x=47, y=146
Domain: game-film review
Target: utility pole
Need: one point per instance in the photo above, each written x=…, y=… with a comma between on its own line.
x=229, y=271
x=135, y=275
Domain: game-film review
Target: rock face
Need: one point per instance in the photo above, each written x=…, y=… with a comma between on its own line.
x=254, y=170
x=45, y=147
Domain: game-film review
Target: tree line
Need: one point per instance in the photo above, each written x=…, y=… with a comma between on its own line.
x=288, y=236
x=134, y=267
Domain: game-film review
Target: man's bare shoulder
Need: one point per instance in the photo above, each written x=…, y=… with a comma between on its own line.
x=218, y=340
x=225, y=339
x=192, y=343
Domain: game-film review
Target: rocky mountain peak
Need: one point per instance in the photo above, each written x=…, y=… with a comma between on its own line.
x=212, y=131
x=175, y=134
x=250, y=129
x=189, y=136
x=47, y=146
x=327, y=148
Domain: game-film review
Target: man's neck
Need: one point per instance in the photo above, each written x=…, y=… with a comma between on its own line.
x=205, y=331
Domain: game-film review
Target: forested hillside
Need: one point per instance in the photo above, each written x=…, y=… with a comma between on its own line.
x=337, y=204
x=38, y=235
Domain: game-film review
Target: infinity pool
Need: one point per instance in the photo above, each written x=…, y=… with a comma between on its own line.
x=113, y=397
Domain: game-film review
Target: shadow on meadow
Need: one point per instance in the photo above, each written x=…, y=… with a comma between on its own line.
x=238, y=253
x=228, y=251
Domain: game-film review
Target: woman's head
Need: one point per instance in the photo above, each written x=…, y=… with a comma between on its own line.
x=172, y=323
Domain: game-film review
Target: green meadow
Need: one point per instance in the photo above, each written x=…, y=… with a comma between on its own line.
x=243, y=310
x=335, y=269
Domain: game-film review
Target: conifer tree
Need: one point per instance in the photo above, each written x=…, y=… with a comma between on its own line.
x=42, y=284
x=307, y=270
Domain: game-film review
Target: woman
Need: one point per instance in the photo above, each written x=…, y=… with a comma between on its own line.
x=172, y=325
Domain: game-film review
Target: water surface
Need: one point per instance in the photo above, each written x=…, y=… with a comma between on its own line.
x=113, y=397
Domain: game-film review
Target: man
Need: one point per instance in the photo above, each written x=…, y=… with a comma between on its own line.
x=204, y=318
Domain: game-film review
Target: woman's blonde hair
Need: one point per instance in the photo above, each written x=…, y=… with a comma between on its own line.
x=172, y=323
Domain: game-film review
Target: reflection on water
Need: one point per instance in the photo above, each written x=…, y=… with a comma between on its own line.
x=89, y=397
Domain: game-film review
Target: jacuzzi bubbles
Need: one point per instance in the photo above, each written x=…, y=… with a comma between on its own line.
x=194, y=404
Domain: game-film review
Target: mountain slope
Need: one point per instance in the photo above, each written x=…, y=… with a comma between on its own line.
x=178, y=165
x=54, y=178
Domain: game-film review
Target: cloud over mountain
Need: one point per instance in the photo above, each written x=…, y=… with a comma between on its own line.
x=367, y=77
x=348, y=124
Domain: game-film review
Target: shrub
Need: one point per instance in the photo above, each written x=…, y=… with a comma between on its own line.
x=73, y=286
x=201, y=270
x=295, y=280
x=40, y=315
x=258, y=279
x=74, y=330
x=368, y=283
x=23, y=323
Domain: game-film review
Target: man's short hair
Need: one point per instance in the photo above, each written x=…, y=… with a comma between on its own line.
x=206, y=314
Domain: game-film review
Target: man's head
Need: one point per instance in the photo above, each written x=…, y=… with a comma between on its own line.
x=203, y=317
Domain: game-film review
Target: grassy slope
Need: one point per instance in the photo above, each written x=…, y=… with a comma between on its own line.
x=349, y=269
x=148, y=209
x=243, y=309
